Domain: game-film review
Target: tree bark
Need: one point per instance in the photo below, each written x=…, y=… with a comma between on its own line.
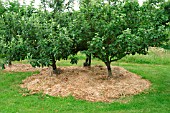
x=54, y=65
x=3, y=66
x=88, y=61
x=109, y=70
x=9, y=63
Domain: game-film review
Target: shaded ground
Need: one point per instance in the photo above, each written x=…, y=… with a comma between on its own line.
x=89, y=84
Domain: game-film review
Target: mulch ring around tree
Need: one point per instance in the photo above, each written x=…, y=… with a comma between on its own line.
x=89, y=84
x=21, y=68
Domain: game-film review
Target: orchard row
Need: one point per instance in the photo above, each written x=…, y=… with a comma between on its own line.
x=108, y=30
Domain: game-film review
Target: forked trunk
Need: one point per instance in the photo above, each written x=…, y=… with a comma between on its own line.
x=109, y=70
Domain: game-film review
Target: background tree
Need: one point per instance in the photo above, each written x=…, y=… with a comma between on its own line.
x=58, y=5
x=82, y=29
x=166, y=10
x=12, y=45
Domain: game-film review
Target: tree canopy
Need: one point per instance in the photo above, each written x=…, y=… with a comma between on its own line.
x=106, y=29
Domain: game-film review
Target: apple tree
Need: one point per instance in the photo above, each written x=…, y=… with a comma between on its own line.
x=123, y=28
x=47, y=41
x=12, y=45
x=82, y=29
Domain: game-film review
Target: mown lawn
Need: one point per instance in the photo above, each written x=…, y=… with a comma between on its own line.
x=156, y=100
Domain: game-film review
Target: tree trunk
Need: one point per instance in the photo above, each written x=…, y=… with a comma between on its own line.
x=109, y=69
x=88, y=61
x=9, y=63
x=54, y=65
x=3, y=66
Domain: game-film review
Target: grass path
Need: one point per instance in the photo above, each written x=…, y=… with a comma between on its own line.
x=157, y=100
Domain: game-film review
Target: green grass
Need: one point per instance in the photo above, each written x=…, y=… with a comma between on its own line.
x=155, y=56
x=156, y=100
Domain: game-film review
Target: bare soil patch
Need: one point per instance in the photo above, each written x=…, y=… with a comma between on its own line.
x=89, y=84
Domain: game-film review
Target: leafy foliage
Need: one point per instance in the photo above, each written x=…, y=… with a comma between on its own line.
x=124, y=28
x=12, y=45
x=109, y=30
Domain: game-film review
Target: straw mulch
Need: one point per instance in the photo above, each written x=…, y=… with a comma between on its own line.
x=91, y=84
